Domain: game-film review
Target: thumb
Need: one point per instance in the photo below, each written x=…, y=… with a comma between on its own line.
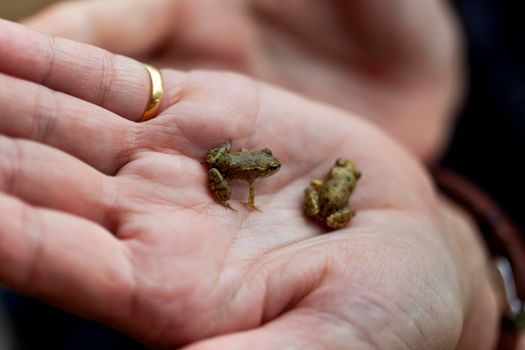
x=298, y=329
x=127, y=27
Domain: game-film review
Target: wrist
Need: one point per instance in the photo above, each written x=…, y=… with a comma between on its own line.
x=507, y=248
x=481, y=299
x=467, y=248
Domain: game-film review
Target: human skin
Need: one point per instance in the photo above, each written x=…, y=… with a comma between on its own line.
x=396, y=63
x=112, y=219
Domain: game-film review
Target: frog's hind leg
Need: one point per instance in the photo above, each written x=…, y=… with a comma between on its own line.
x=219, y=186
x=340, y=218
x=311, y=201
x=251, y=195
x=217, y=153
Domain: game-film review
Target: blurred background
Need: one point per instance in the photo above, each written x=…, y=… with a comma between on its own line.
x=488, y=147
x=16, y=9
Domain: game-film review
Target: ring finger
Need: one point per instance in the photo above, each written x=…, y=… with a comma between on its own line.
x=116, y=83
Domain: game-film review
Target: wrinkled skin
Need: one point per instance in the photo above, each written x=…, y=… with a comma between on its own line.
x=112, y=219
x=396, y=63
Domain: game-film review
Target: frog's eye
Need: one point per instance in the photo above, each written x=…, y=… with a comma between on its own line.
x=275, y=166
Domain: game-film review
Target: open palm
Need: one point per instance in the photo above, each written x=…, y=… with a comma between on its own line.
x=113, y=219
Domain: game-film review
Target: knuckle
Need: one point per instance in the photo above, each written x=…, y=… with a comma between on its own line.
x=133, y=140
x=9, y=164
x=32, y=224
x=107, y=77
x=49, y=61
x=45, y=109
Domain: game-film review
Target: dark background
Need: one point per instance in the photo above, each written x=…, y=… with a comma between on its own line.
x=489, y=142
x=487, y=147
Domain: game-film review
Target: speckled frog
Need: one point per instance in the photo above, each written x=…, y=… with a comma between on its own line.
x=326, y=200
x=226, y=165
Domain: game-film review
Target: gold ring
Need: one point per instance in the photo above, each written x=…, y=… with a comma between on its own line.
x=156, y=93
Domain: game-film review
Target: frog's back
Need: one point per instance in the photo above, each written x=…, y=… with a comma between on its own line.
x=334, y=194
x=241, y=165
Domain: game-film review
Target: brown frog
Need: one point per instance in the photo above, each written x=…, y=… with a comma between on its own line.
x=227, y=165
x=327, y=200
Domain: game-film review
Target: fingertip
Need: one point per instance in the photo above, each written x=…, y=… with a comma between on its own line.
x=54, y=19
x=99, y=23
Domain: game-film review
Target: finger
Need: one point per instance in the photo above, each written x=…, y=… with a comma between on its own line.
x=62, y=259
x=98, y=23
x=116, y=83
x=47, y=177
x=84, y=130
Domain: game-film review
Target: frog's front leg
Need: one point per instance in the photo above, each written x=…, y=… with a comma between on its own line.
x=219, y=186
x=251, y=195
x=340, y=218
x=316, y=184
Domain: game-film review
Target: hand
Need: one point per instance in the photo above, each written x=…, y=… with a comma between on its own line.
x=113, y=220
x=397, y=63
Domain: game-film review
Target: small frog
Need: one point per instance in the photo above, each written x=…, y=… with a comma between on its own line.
x=227, y=165
x=327, y=200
